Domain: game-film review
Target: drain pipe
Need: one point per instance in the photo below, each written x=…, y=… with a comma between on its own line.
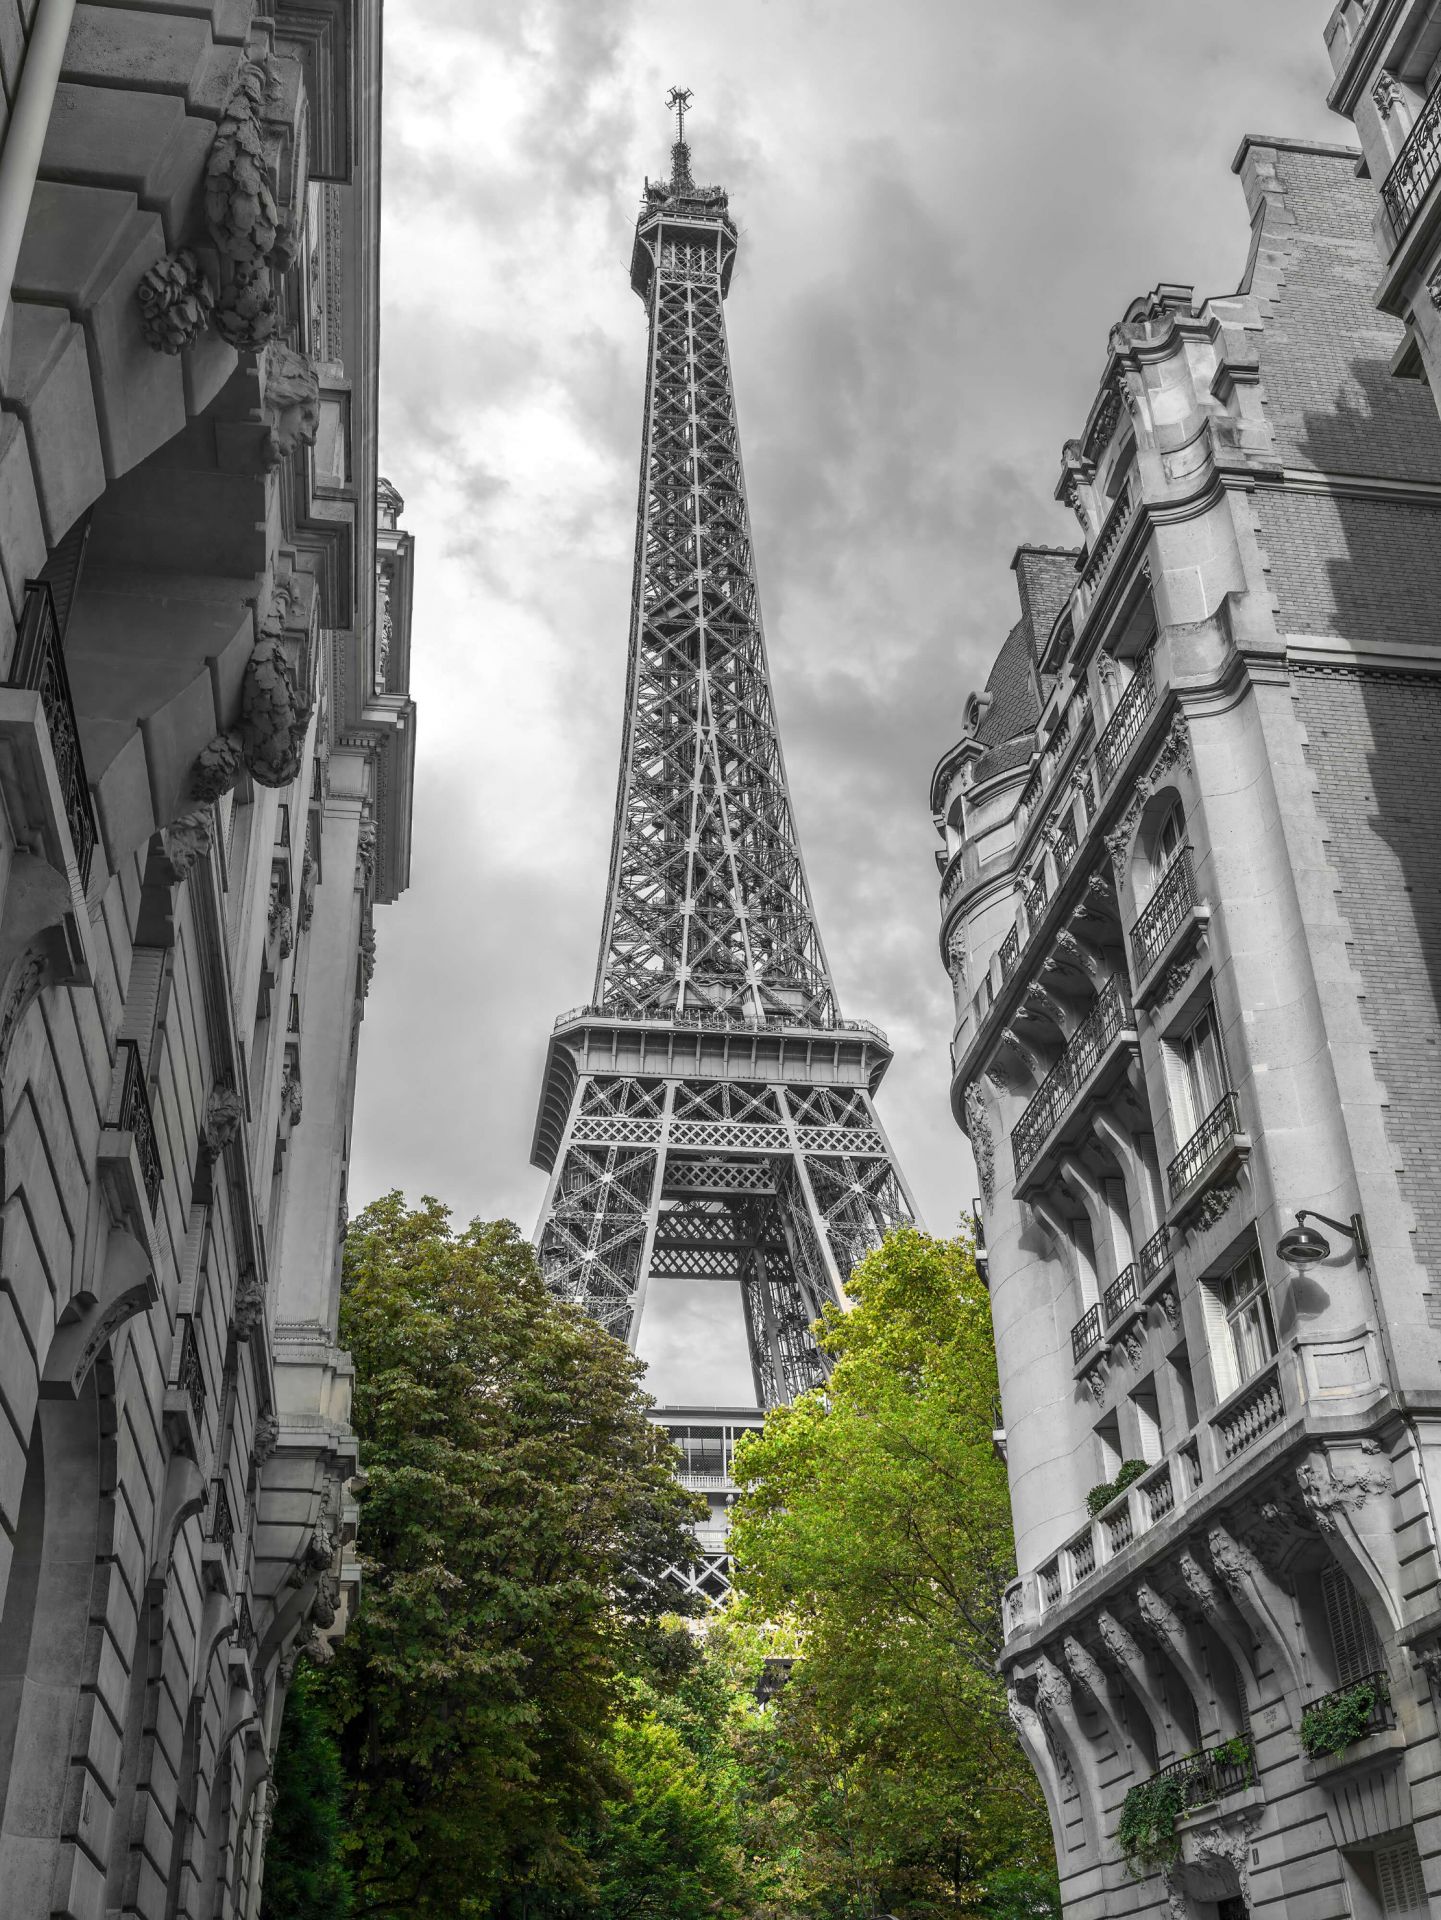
x=25, y=135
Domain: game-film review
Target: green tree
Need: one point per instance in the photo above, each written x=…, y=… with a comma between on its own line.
x=304, y=1878
x=518, y=1516
x=876, y=1520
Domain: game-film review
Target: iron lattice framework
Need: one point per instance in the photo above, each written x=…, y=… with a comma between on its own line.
x=709, y=1116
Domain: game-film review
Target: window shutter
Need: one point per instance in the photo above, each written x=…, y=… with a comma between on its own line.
x=142, y=999
x=1353, y=1638
x=1400, y=1882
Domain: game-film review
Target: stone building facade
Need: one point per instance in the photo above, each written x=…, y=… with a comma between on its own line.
x=1386, y=55
x=1190, y=909
x=206, y=743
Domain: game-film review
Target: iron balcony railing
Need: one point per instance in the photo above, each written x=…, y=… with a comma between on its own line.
x=1120, y=1295
x=1206, y=1144
x=191, y=1378
x=1125, y=723
x=1206, y=1776
x=1414, y=169
x=1035, y=901
x=39, y=667
x=1085, y=1334
x=1382, y=1714
x=244, y=1625
x=1155, y=1256
x=1065, y=845
x=1010, y=952
x=135, y=1118
x=1164, y=914
x=1250, y=1414
x=222, y=1522
x=1110, y=1016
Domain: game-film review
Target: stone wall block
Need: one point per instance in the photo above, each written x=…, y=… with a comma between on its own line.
x=85, y=248
x=122, y=802
x=141, y=143
x=149, y=50
x=48, y=385
x=78, y=1891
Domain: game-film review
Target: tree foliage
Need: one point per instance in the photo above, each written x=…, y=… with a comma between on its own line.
x=876, y=1521
x=304, y=1876
x=518, y=1516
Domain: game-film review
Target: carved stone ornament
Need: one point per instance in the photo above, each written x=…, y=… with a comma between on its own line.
x=1174, y=750
x=365, y=848
x=1427, y=1658
x=956, y=960
x=1093, y=1382
x=248, y=1312
x=1159, y=1617
x=231, y=287
x=1203, y=1590
x=224, y=1111
x=1172, y=980
x=265, y=1440
x=1170, y=1304
x=318, y=1650
x=305, y=912
x=270, y=736
x=1053, y=1690
x=1386, y=92
x=1119, y=1644
x=983, y=1145
x=290, y=1097
x=1083, y=1666
x=1213, y=1204
x=292, y=403
x=187, y=841
x=1118, y=840
x=282, y=927
x=1234, y=1563
x=1134, y=1342
x=326, y=1604
x=1327, y=1493
x=177, y=302
x=367, y=956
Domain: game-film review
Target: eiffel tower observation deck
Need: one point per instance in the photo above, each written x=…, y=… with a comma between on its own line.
x=709, y=1115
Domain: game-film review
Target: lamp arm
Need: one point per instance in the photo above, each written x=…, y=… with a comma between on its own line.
x=1355, y=1228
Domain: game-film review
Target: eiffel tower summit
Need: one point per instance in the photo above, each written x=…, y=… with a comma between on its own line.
x=709, y=1115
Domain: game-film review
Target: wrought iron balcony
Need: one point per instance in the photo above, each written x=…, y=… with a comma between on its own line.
x=1360, y=1722
x=1111, y=1016
x=1085, y=1334
x=245, y=1626
x=1164, y=914
x=1414, y=169
x=135, y=1119
x=1125, y=723
x=1034, y=899
x=191, y=1377
x=1209, y=1142
x=1253, y=1411
x=1121, y=1294
x=1210, y=1774
x=1064, y=847
x=222, y=1522
x=39, y=667
x=1010, y=952
x=1155, y=1256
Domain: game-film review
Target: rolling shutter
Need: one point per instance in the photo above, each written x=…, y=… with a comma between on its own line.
x=1353, y=1638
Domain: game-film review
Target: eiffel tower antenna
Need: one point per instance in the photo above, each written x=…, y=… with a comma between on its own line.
x=679, y=98
x=708, y=1116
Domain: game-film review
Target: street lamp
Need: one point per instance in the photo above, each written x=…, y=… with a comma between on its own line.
x=1303, y=1246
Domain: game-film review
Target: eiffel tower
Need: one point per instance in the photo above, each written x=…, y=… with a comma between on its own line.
x=709, y=1115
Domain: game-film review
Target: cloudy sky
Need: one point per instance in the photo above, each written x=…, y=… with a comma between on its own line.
x=943, y=207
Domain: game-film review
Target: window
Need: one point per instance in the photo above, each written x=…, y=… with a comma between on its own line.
x=1400, y=1882
x=1248, y=1316
x=1145, y=1410
x=1355, y=1650
x=1169, y=840
x=1203, y=1072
